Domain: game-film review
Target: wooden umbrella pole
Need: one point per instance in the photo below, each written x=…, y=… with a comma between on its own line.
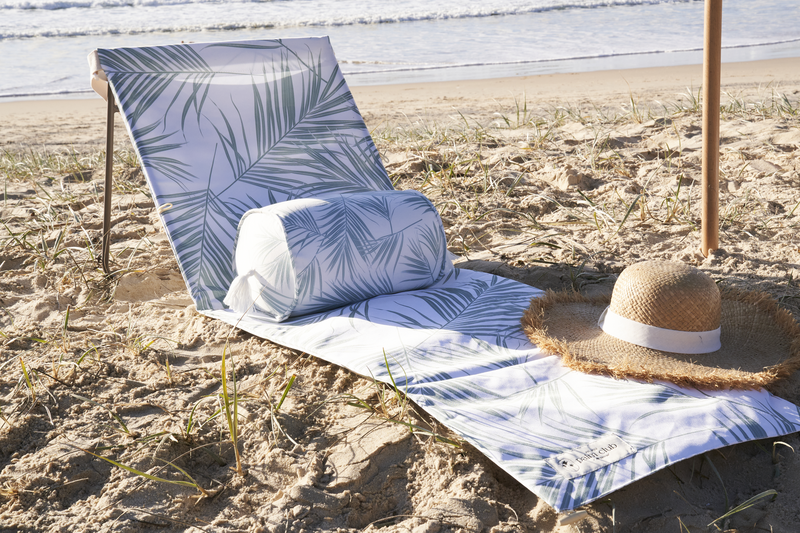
x=712, y=57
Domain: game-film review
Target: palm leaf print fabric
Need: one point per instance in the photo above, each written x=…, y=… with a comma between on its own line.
x=268, y=122
x=313, y=254
x=222, y=128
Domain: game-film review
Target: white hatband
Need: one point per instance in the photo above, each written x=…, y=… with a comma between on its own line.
x=666, y=340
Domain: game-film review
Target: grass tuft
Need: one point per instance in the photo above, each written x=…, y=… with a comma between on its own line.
x=230, y=405
x=771, y=493
x=145, y=475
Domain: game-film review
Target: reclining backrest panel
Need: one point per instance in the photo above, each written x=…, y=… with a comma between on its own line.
x=221, y=128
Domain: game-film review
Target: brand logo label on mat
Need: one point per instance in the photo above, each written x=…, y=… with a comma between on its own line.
x=590, y=457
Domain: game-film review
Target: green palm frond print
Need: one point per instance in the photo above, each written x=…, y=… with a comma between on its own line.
x=148, y=75
x=225, y=128
x=341, y=249
x=267, y=123
x=456, y=349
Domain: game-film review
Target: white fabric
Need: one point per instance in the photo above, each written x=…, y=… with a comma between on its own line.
x=245, y=291
x=666, y=340
x=98, y=79
x=457, y=350
x=314, y=254
x=216, y=141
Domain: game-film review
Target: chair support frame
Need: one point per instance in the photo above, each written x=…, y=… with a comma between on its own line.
x=108, y=182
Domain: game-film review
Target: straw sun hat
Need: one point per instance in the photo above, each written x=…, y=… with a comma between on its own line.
x=669, y=321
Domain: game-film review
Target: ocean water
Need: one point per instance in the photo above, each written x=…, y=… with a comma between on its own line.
x=44, y=43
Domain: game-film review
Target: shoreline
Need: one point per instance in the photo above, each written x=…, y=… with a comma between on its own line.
x=577, y=65
x=520, y=68
x=80, y=125
x=652, y=82
x=600, y=87
x=575, y=39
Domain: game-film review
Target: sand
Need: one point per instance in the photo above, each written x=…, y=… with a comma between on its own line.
x=558, y=181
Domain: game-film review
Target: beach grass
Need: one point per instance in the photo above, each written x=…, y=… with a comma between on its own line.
x=586, y=165
x=574, y=193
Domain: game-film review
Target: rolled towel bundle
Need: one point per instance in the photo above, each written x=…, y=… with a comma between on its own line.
x=314, y=254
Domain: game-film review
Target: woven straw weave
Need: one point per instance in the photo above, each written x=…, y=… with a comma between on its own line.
x=667, y=295
x=760, y=341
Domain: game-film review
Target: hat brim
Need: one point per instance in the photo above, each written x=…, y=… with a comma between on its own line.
x=760, y=343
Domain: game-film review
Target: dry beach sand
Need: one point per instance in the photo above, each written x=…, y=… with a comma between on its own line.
x=558, y=181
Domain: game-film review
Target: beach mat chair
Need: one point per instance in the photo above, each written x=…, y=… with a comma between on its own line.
x=224, y=128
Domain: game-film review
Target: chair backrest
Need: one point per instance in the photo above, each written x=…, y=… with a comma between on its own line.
x=221, y=128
